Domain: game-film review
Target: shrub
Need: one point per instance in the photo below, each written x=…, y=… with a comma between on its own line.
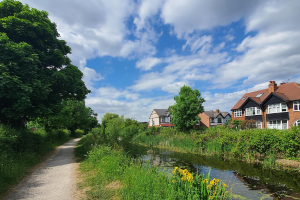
x=78, y=133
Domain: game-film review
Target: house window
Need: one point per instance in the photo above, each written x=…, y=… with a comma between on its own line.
x=219, y=120
x=162, y=119
x=243, y=98
x=212, y=120
x=296, y=105
x=253, y=111
x=238, y=113
x=297, y=123
x=276, y=108
x=278, y=124
x=258, y=124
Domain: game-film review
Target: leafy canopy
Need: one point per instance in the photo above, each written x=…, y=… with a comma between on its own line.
x=35, y=71
x=188, y=105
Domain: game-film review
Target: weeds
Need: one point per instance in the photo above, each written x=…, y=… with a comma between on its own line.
x=21, y=149
x=104, y=166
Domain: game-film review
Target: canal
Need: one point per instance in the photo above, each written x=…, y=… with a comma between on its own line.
x=247, y=181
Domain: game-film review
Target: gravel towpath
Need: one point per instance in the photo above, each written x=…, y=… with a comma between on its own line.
x=53, y=179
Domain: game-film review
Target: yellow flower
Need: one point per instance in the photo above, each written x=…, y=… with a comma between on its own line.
x=224, y=185
x=173, y=181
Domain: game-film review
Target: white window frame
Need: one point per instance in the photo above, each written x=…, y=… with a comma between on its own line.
x=296, y=103
x=297, y=123
x=277, y=108
x=212, y=120
x=238, y=113
x=278, y=124
x=252, y=111
x=258, y=124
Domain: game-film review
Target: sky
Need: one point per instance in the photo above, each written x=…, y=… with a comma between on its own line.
x=136, y=54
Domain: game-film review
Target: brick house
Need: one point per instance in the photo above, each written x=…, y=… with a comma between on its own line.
x=160, y=117
x=274, y=107
x=213, y=118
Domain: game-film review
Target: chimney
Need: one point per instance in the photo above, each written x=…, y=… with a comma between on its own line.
x=217, y=111
x=283, y=83
x=272, y=86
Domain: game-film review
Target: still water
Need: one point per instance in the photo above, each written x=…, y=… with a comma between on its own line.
x=247, y=181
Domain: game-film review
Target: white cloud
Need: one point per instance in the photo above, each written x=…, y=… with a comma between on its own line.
x=113, y=93
x=147, y=63
x=147, y=9
x=189, y=15
x=196, y=42
x=174, y=88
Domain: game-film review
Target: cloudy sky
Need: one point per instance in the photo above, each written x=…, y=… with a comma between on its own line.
x=136, y=54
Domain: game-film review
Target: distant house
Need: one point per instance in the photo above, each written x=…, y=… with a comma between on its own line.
x=213, y=118
x=274, y=107
x=160, y=117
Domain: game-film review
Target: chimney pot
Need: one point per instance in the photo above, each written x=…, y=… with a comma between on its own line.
x=272, y=86
x=217, y=111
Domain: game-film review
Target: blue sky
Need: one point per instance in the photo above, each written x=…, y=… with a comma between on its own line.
x=136, y=54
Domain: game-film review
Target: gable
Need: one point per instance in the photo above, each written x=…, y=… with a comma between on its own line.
x=273, y=99
x=249, y=103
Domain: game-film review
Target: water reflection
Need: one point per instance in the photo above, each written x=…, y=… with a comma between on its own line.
x=248, y=181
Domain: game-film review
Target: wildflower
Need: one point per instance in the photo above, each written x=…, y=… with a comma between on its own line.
x=173, y=181
x=224, y=185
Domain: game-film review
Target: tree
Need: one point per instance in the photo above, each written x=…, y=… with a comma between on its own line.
x=105, y=120
x=74, y=115
x=35, y=71
x=188, y=105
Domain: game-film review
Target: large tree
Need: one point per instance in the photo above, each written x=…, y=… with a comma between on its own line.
x=186, y=109
x=35, y=71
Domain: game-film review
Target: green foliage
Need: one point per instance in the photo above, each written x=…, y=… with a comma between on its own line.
x=105, y=119
x=35, y=72
x=250, y=143
x=78, y=133
x=22, y=149
x=186, y=109
x=113, y=129
x=73, y=115
x=135, y=180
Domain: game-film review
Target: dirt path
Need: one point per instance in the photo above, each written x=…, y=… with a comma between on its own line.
x=54, y=179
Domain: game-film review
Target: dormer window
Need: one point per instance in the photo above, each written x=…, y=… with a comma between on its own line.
x=243, y=98
x=259, y=95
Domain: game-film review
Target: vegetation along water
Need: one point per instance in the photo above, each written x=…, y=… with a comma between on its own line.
x=247, y=161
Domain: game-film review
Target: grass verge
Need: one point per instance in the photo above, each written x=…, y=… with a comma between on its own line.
x=111, y=174
x=22, y=149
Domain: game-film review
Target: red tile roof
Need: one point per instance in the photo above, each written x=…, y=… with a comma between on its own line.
x=288, y=91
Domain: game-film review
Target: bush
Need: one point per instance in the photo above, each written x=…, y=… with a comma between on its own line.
x=78, y=133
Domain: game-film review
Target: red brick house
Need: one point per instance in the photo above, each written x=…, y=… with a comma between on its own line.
x=275, y=107
x=213, y=118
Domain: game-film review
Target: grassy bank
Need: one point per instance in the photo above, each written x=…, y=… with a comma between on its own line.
x=22, y=149
x=111, y=174
x=253, y=145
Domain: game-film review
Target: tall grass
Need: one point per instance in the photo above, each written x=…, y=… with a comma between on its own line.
x=250, y=145
x=111, y=174
x=21, y=149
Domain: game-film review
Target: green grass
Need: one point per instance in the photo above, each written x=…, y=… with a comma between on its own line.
x=22, y=149
x=110, y=174
x=254, y=145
